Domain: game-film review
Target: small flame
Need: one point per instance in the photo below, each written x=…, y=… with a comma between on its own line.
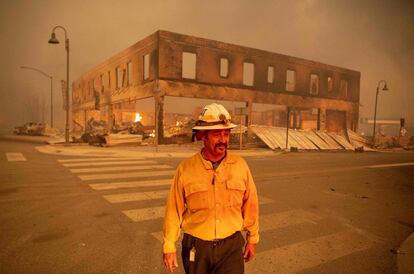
x=138, y=117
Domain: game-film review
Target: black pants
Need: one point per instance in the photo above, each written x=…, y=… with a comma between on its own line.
x=214, y=257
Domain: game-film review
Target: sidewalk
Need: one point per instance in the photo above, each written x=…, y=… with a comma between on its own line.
x=406, y=256
x=58, y=147
x=32, y=139
x=162, y=151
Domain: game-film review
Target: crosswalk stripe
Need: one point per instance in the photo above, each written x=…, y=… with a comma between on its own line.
x=286, y=218
x=152, y=173
x=145, y=214
x=264, y=200
x=131, y=184
x=15, y=157
x=118, y=168
x=136, y=196
x=108, y=163
x=99, y=159
x=159, y=236
x=310, y=253
x=274, y=221
x=392, y=165
x=142, y=213
x=159, y=194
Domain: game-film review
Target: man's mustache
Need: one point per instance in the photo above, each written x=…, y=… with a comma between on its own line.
x=220, y=144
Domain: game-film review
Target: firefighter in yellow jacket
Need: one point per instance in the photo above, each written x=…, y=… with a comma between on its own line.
x=212, y=199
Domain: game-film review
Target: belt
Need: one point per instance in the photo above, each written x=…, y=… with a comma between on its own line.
x=215, y=241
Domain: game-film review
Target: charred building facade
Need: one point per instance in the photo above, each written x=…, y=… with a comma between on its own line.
x=166, y=64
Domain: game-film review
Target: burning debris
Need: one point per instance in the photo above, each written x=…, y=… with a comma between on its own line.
x=97, y=132
x=129, y=128
x=181, y=129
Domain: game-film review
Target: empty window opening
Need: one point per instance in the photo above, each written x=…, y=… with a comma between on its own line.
x=270, y=74
x=146, y=65
x=314, y=84
x=124, y=77
x=118, y=74
x=102, y=83
x=189, y=65
x=129, y=73
x=109, y=79
x=290, y=80
x=344, y=88
x=224, y=67
x=268, y=114
x=83, y=92
x=330, y=84
x=248, y=74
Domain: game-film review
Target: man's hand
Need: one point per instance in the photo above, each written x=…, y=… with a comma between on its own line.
x=170, y=261
x=249, y=252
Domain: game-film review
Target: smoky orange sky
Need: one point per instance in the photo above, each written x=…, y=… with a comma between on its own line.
x=373, y=37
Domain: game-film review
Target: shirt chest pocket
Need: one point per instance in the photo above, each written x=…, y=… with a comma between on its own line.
x=196, y=196
x=236, y=189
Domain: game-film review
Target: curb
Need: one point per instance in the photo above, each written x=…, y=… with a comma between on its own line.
x=92, y=151
x=405, y=256
x=150, y=152
x=26, y=139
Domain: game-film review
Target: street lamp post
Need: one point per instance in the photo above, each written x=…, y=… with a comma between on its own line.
x=385, y=88
x=51, y=89
x=54, y=40
x=287, y=126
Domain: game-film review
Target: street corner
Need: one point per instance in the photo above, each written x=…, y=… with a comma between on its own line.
x=73, y=150
x=28, y=139
x=122, y=151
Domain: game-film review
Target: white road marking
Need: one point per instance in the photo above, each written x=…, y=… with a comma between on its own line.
x=265, y=200
x=159, y=236
x=152, y=173
x=392, y=165
x=145, y=214
x=131, y=184
x=118, y=168
x=275, y=220
x=136, y=196
x=98, y=159
x=286, y=218
x=159, y=194
x=329, y=170
x=310, y=253
x=108, y=163
x=15, y=157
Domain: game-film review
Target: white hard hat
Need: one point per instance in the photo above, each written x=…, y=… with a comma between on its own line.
x=214, y=116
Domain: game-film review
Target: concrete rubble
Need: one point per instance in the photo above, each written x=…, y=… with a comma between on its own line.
x=36, y=129
x=98, y=133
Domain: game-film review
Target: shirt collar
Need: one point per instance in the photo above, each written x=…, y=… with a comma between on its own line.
x=228, y=159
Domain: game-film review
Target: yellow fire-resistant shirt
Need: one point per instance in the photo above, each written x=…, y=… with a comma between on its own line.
x=211, y=204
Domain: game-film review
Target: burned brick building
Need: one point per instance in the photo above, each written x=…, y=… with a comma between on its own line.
x=166, y=65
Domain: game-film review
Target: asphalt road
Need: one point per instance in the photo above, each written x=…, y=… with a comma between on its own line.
x=320, y=212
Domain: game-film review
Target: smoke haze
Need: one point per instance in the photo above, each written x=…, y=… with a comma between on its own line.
x=373, y=37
